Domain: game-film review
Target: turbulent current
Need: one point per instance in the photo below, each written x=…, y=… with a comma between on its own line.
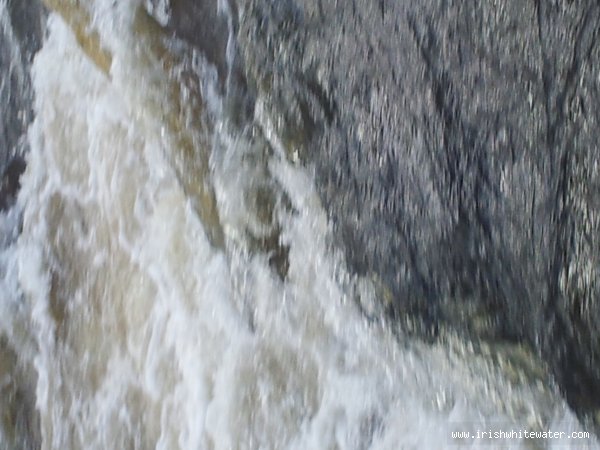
x=168, y=278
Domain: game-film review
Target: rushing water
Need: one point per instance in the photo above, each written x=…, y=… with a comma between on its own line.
x=137, y=314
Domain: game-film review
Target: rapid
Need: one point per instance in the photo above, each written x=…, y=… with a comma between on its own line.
x=168, y=278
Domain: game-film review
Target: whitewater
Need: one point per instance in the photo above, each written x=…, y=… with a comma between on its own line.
x=144, y=315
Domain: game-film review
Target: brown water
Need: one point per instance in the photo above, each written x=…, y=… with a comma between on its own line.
x=138, y=310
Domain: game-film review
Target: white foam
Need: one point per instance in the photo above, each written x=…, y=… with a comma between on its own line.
x=152, y=338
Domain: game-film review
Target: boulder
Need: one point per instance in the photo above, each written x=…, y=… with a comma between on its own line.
x=455, y=146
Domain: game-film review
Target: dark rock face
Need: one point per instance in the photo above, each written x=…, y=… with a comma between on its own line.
x=455, y=146
x=456, y=151
x=9, y=183
x=205, y=27
x=209, y=26
x=20, y=38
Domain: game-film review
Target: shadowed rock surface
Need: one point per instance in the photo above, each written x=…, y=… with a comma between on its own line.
x=9, y=183
x=210, y=34
x=20, y=38
x=456, y=151
x=200, y=23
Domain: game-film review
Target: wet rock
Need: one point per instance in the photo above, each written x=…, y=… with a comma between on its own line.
x=9, y=184
x=20, y=38
x=208, y=26
x=456, y=152
x=200, y=23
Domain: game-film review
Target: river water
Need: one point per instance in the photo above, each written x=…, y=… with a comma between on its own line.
x=138, y=312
